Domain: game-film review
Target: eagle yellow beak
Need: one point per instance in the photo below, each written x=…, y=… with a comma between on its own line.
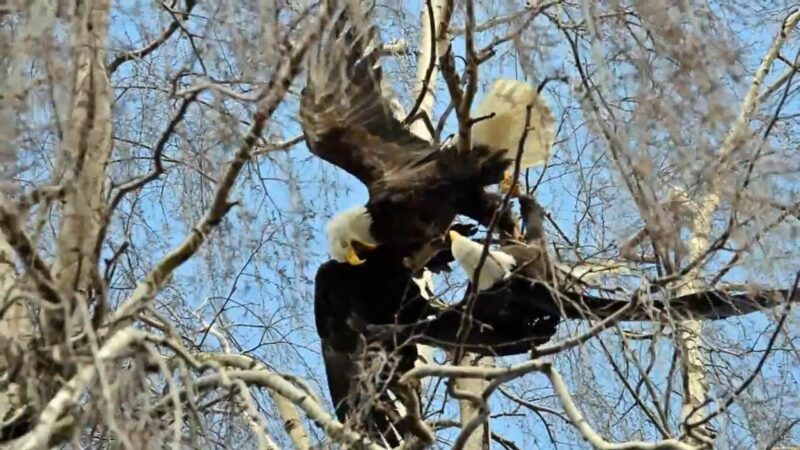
x=454, y=235
x=352, y=257
x=367, y=246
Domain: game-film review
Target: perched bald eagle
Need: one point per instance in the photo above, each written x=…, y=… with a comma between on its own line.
x=380, y=307
x=521, y=277
x=415, y=189
x=504, y=108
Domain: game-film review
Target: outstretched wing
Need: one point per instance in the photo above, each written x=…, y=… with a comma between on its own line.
x=345, y=117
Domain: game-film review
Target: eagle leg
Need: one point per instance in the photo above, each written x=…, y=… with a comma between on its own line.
x=508, y=184
x=517, y=234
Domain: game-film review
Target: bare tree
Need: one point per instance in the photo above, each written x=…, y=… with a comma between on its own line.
x=161, y=221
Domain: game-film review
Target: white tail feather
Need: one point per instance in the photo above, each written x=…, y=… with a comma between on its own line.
x=508, y=100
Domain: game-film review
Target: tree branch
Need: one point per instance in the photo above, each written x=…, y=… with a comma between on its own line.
x=151, y=47
x=274, y=94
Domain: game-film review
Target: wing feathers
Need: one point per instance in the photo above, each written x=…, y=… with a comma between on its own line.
x=346, y=119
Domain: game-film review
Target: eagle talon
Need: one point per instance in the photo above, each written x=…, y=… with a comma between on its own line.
x=517, y=234
x=508, y=184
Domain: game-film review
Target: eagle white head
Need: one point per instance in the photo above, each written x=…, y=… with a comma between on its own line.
x=498, y=265
x=347, y=227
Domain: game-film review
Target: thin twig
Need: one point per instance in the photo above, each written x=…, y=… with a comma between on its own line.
x=151, y=47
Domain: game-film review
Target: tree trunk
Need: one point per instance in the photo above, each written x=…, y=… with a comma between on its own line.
x=425, y=84
x=427, y=71
x=84, y=155
x=693, y=361
x=481, y=437
x=427, y=63
x=16, y=332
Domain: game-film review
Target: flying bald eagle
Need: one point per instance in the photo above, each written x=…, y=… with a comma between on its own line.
x=504, y=111
x=415, y=189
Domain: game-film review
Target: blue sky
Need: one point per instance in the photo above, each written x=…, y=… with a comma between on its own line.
x=272, y=299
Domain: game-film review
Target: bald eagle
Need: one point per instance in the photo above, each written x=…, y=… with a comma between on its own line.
x=504, y=109
x=380, y=306
x=530, y=261
x=415, y=189
x=522, y=277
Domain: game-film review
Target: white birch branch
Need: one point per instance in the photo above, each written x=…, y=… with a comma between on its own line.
x=427, y=63
x=16, y=331
x=562, y=392
x=39, y=437
x=286, y=409
x=302, y=399
x=256, y=421
x=154, y=281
